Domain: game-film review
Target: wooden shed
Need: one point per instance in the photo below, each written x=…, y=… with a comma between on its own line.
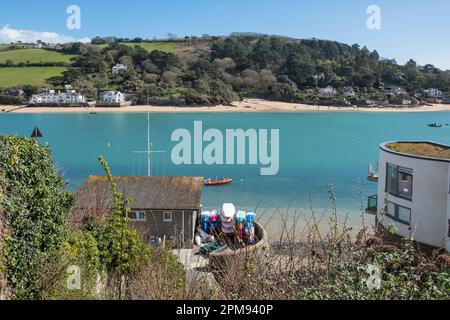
x=160, y=208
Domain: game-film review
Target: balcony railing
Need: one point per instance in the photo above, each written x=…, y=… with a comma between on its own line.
x=372, y=205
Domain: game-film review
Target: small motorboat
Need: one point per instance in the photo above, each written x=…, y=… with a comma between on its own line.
x=217, y=182
x=435, y=125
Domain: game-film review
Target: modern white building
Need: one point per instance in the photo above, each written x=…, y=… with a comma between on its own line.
x=433, y=92
x=396, y=91
x=327, y=92
x=414, y=191
x=349, y=92
x=57, y=97
x=111, y=97
x=118, y=69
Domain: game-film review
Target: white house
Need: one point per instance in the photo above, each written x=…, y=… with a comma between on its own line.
x=434, y=93
x=395, y=91
x=36, y=99
x=57, y=97
x=413, y=191
x=118, y=69
x=349, y=92
x=327, y=92
x=111, y=97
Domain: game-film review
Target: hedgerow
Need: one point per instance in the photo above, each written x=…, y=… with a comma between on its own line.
x=35, y=204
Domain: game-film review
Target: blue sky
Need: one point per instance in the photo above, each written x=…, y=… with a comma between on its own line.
x=410, y=29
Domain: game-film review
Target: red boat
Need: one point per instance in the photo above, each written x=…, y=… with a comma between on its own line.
x=217, y=182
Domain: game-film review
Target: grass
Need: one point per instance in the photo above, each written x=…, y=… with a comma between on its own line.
x=34, y=56
x=152, y=46
x=421, y=149
x=10, y=77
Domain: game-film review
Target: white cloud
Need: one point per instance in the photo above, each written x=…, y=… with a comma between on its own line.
x=8, y=35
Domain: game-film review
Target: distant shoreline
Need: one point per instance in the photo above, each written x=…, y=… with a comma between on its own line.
x=246, y=106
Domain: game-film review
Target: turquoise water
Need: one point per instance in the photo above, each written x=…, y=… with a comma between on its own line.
x=316, y=149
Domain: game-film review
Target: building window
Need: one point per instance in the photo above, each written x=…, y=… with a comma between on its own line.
x=399, y=181
x=399, y=213
x=137, y=215
x=142, y=216
x=168, y=217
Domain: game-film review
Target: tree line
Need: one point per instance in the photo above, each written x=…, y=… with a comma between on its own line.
x=225, y=69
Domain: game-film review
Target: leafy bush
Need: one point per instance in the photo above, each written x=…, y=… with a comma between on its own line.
x=3, y=233
x=11, y=100
x=403, y=275
x=79, y=251
x=40, y=248
x=35, y=205
x=160, y=277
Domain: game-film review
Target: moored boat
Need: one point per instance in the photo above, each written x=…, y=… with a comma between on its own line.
x=217, y=182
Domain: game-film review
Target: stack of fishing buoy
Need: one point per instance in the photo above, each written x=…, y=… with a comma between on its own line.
x=236, y=225
x=240, y=224
x=213, y=221
x=249, y=228
x=205, y=218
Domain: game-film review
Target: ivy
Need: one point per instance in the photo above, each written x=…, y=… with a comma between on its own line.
x=36, y=205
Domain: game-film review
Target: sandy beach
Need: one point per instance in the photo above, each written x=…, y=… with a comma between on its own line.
x=247, y=106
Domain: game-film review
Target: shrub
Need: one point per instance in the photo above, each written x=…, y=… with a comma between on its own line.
x=324, y=262
x=3, y=233
x=79, y=251
x=35, y=205
x=160, y=277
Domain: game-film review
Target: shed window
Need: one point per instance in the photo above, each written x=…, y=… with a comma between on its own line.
x=168, y=216
x=137, y=215
x=132, y=215
x=142, y=216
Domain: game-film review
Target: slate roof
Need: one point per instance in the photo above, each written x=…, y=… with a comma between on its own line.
x=153, y=193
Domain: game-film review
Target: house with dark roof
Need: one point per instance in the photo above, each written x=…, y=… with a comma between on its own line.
x=163, y=208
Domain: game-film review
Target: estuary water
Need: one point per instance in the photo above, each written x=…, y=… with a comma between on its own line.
x=317, y=149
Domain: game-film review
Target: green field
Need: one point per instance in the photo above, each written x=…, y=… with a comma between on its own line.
x=34, y=56
x=10, y=77
x=152, y=46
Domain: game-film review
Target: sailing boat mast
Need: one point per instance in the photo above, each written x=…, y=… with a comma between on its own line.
x=149, y=151
x=149, y=144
